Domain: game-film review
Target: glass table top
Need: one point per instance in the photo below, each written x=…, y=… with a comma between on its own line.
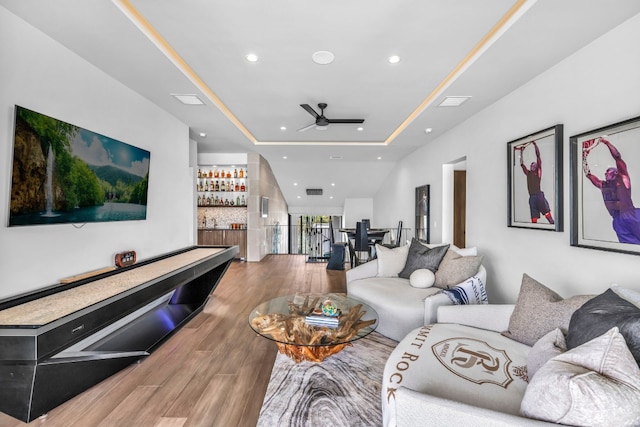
x=300, y=319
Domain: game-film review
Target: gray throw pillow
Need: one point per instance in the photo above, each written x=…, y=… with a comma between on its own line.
x=540, y=310
x=602, y=313
x=421, y=256
x=455, y=269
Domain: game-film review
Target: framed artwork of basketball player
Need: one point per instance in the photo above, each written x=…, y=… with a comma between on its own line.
x=605, y=165
x=534, y=198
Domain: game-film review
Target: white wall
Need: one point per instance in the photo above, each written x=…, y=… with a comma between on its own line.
x=358, y=209
x=596, y=86
x=40, y=74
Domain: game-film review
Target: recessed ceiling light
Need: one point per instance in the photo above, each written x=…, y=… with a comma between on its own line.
x=360, y=129
x=284, y=157
x=323, y=57
x=298, y=197
x=252, y=57
x=428, y=130
x=335, y=157
x=283, y=128
x=394, y=59
x=295, y=184
x=379, y=158
x=454, y=101
x=188, y=99
x=331, y=197
x=202, y=134
x=333, y=184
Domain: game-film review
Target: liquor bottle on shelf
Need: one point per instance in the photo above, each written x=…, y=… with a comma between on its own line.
x=230, y=186
x=235, y=173
x=241, y=173
x=199, y=173
x=243, y=188
x=229, y=174
x=210, y=173
x=237, y=187
x=242, y=201
x=206, y=185
x=216, y=174
x=238, y=201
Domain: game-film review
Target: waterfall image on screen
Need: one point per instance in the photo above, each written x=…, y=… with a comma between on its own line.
x=63, y=173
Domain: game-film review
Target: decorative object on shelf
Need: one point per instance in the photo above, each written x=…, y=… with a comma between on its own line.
x=534, y=177
x=605, y=164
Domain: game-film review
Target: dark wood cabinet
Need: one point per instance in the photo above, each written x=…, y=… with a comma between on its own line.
x=224, y=237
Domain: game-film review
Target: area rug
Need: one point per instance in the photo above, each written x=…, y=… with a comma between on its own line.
x=343, y=390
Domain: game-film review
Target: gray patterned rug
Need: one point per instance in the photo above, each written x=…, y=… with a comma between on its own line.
x=343, y=390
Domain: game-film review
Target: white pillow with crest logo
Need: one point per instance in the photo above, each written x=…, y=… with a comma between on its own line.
x=457, y=362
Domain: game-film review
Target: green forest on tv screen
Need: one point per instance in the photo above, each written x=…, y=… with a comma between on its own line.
x=64, y=173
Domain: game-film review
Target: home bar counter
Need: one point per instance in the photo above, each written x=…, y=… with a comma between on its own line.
x=57, y=342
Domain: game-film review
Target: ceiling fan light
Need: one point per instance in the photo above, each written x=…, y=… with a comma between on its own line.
x=252, y=57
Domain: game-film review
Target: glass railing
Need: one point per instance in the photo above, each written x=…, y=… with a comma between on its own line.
x=315, y=241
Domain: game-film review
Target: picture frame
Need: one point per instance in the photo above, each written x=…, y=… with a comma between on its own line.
x=534, y=180
x=605, y=164
x=422, y=201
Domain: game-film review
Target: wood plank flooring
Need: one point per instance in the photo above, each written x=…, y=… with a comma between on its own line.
x=213, y=372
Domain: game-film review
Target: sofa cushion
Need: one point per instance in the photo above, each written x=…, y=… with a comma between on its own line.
x=400, y=306
x=547, y=347
x=455, y=269
x=462, y=363
x=602, y=313
x=421, y=256
x=597, y=383
x=422, y=278
x=391, y=260
x=540, y=310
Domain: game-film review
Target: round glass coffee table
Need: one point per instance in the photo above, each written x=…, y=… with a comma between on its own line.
x=312, y=327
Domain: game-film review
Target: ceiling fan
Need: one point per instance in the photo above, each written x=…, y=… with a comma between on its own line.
x=321, y=120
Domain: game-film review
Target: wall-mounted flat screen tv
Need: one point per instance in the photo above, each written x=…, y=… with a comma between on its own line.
x=66, y=174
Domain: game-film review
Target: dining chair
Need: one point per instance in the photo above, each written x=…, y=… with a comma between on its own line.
x=361, y=247
x=397, y=241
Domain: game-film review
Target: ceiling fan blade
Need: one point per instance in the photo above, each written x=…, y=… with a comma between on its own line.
x=346, y=120
x=310, y=110
x=307, y=127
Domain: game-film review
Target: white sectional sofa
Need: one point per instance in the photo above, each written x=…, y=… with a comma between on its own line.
x=402, y=307
x=542, y=361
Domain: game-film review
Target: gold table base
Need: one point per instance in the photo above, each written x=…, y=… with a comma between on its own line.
x=301, y=353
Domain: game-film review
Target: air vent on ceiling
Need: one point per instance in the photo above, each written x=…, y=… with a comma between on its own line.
x=314, y=191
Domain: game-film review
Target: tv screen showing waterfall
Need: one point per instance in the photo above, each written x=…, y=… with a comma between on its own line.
x=66, y=174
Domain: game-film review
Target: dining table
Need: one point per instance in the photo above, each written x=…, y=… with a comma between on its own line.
x=375, y=235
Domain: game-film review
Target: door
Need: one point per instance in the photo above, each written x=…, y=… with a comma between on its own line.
x=459, y=207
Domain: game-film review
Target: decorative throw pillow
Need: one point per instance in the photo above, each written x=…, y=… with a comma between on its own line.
x=421, y=256
x=455, y=269
x=547, y=347
x=601, y=314
x=539, y=310
x=595, y=384
x=422, y=278
x=391, y=261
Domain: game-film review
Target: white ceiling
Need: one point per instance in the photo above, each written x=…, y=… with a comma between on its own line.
x=447, y=48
